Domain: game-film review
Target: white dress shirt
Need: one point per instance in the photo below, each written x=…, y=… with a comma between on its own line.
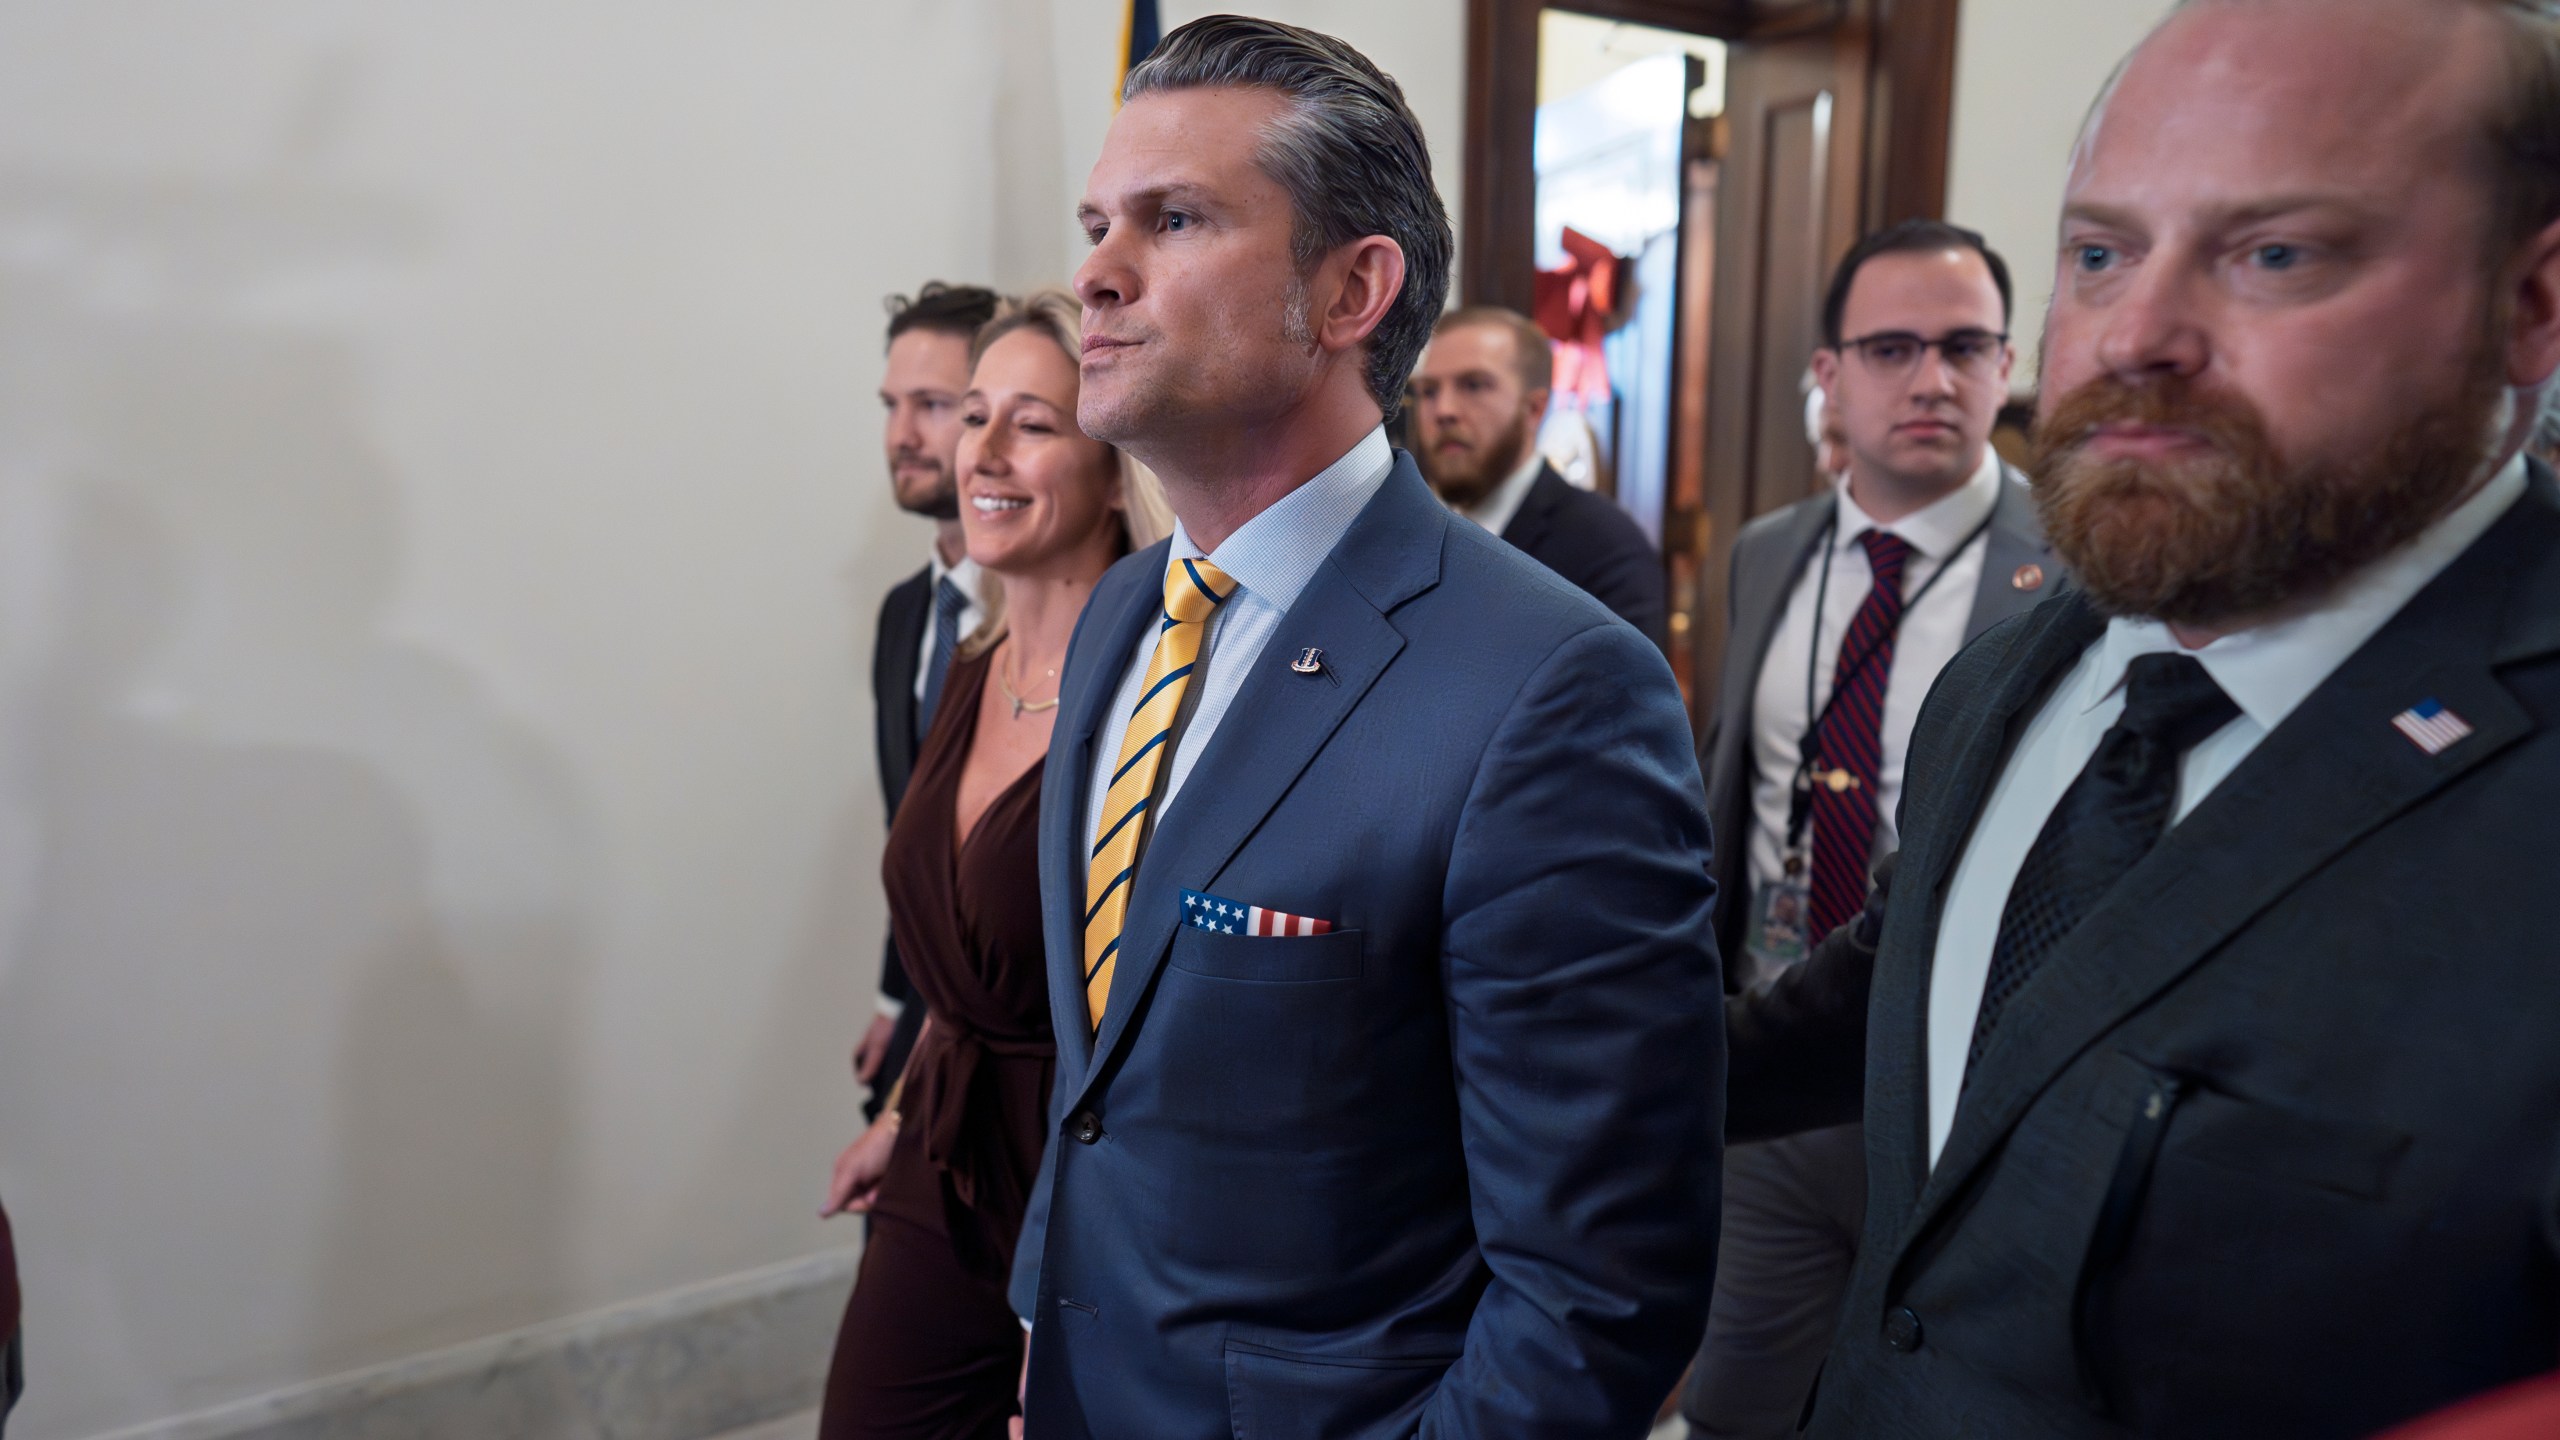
x=1495, y=510
x=1271, y=557
x=1931, y=634
x=2267, y=672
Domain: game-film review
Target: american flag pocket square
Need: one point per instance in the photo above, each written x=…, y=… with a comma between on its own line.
x=1203, y=911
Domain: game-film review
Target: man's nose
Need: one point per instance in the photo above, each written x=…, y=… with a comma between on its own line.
x=1934, y=377
x=1105, y=278
x=2155, y=325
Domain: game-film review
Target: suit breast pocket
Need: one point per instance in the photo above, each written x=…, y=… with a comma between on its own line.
x=2348, y=1158
x=1277, y=960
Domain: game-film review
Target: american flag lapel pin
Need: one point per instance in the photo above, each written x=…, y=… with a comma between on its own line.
x=2430, y=726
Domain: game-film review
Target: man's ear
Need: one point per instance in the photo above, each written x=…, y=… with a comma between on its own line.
x=1536, y=404
x=1370, y=274
x=1826, y=371
x=2533, y=341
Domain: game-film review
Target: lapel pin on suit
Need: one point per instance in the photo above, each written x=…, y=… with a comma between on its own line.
x=1309, y=662
x=2029, y=577
x=2430, y=726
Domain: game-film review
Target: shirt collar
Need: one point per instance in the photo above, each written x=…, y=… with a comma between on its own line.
x=1495, y=511
x=2270, y=670
x=1276, y=553
x=1935, y=529
x=965, y=574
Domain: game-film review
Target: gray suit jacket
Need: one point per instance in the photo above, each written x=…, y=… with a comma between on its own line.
x=2271, y=1146
x=1768, y=556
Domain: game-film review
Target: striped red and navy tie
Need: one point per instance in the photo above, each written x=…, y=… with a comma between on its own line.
x=1850, y=743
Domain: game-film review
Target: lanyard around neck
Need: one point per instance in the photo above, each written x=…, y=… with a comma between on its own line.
x=1800, y=786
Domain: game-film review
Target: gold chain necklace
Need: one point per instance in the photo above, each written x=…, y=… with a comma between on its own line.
x=1022, y=707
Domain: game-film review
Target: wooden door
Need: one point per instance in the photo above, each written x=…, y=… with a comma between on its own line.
x=1789, y=206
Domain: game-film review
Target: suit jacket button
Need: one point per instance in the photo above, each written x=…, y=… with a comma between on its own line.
x=1902, y=1329
x=1085, y=1127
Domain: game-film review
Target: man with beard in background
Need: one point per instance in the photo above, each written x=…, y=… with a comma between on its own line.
x=2211, y=1086
x=929, y=612
x=1477, y=402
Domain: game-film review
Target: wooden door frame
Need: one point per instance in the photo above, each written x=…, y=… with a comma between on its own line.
x=1911, y=104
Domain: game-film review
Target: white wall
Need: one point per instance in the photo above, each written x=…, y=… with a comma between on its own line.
x=440, y=514
x=2026, y=72
x=441, y=517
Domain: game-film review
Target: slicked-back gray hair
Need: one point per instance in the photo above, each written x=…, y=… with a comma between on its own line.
x=1348, y=151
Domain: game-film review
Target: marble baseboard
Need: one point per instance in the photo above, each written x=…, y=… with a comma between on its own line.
x=692, y=1363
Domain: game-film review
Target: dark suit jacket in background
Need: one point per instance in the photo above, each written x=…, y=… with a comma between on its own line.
x=1452, y=1166
x=1769, y=557
x=2271, y=1146
x=904, y=616
x=1588, y=540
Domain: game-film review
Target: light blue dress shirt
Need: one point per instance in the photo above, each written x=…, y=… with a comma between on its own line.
x=1271, y=557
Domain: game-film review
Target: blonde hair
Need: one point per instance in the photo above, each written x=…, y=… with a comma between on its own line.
x=1145, y=515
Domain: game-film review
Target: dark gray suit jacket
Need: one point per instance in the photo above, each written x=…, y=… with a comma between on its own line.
x=1768, y=557
x=2271, y=1147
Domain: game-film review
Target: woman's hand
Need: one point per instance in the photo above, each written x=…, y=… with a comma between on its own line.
x=856, y=1183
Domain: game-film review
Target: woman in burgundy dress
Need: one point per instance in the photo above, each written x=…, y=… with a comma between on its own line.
x=929, y=1349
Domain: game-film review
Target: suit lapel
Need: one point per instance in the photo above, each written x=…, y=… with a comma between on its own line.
x=1758, y=602
x=1935, y=837
x=1100, y=659
x=1279, y=721
x=909, y=609
x=1537, y=511
x=2015, y=542
x=2335, y=771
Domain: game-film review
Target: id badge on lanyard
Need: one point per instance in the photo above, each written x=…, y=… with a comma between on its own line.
x=1780, y=916
x=1782, y=911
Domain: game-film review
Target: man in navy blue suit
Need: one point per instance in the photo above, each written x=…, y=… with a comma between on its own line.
x=1374, y=855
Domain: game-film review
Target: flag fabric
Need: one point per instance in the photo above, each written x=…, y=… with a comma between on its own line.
x=2430, y=726
x=1203, y=911
x=1140, y=29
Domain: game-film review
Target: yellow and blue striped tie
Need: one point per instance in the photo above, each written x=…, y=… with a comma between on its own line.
x=1193, y=591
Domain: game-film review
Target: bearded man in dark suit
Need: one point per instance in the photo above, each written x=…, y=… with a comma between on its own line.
x=1477, y=401
x=2210, y=1082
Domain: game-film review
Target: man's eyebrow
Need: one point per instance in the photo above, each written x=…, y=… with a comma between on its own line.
x=2223, y=216
x=2108, y=216
x=1188, y=193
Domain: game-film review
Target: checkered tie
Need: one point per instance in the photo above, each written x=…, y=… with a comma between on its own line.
x=2103, y=825
x=1193, y=591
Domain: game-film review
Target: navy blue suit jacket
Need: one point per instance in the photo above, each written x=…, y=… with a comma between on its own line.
x=1452, y=1168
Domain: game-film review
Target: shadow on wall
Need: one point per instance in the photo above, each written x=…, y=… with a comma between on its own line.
x=292, y=925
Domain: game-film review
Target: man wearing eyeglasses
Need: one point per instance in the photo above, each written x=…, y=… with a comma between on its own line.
x=1845, y=606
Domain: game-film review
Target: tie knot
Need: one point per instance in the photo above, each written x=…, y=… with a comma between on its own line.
x=1886, y=553
x=949, y=600
x=2171, y=701
x=1193, y=591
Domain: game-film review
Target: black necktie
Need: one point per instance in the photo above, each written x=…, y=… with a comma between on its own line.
x=2104, y=824
x=949, y=600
